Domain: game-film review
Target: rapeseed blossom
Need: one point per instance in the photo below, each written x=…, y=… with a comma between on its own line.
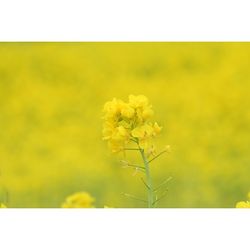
x=79, y=200
x=244, y=204
x=128, y=126
x=126, y=122
x=2, y=205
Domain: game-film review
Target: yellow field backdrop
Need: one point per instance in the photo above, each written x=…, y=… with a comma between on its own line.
x=51, y=100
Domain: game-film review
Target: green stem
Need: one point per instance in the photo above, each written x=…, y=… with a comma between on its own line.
x=151, y=200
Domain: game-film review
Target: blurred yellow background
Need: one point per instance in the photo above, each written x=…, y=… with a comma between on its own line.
x=51, y=100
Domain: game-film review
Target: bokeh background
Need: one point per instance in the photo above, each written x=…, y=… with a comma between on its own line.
x=51, y=100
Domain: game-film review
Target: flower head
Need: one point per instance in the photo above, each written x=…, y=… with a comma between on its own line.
x=79, y=200
x=129, y=121
x=243, y=204
x=2, y=205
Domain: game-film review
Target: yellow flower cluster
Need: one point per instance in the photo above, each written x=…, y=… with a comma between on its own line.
x=129, y=121
x=79, y=200
x=2, y=205
x=244, y=204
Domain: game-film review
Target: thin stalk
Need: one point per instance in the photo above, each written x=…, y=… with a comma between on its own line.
x=131, y=149
x=164, y=151
x=146, y=185
x=134, y=197
x=148, y=180
x=163, y=183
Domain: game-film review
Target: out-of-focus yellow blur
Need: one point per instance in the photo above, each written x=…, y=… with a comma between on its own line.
x=51, y=99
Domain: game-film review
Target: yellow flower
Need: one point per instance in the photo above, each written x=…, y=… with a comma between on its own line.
x=120, y=134
x=115, y=147
x=138, y=101
x=138, y=132
x=127, y=111
x=2, y=205
x=113, y=108
x=243, y=204
x=79, y=200
x=147, y=113
x=157, y=128
x=108, y=130
x=126, y=122
x=118, y=139
x=143, y=131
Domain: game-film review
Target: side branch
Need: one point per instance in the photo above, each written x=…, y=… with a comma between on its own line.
x=162, y=152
